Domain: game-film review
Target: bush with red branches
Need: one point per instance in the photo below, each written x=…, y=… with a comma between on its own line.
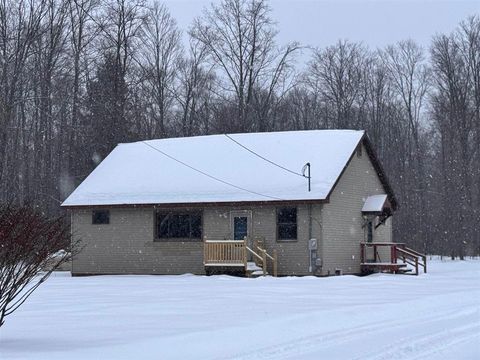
x=32, y=246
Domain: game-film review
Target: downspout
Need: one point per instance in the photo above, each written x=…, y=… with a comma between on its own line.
x=310, y=233
x=71, y=239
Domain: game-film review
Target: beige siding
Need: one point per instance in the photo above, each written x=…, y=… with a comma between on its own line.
x=293, y=256
x=126, y=246
x=342, y=218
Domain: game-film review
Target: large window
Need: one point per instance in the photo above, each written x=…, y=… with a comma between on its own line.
x=179, y=225
x=100, y=217
x=287, y=224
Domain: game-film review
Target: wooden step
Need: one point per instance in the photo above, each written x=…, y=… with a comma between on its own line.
x=251, y=266
x=255, y=274
x=368, y=268
x=253, y=270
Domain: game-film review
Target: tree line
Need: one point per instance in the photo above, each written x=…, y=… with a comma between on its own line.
x=79, y=76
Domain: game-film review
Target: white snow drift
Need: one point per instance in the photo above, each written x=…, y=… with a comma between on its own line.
x=432, y=316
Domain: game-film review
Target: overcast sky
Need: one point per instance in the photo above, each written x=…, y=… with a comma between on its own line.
x=375, y=22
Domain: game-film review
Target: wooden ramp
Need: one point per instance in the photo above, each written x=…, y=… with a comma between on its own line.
x=400, y=257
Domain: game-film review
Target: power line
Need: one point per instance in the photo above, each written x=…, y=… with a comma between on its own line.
x=264, y=158
x=208, y=175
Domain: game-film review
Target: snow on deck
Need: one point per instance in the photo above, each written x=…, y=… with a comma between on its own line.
x=430, y=316
x=135, y=173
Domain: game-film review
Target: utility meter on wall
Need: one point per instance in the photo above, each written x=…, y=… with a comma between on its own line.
x=312, y=244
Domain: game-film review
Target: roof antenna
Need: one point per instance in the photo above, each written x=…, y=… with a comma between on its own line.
x=306, y=168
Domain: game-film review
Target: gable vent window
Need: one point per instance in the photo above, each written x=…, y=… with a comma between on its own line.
x=179, y=226
x=359, y=150
x=100, y=217
x=287, y=224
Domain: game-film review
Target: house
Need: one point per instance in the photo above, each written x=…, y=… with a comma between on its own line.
x=294, y=202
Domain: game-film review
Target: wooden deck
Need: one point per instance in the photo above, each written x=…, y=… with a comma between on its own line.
x=224, y=253
x=233, y=254
x=400, y=257
x=380, y=267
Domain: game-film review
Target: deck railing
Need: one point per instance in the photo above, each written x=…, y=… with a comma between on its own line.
x=225, y=253
x=234, y=253
x=412, y=257
x=264, y=257
x=398, y=251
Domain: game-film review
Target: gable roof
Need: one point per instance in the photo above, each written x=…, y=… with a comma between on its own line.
x=253, y=167
x=374, y=203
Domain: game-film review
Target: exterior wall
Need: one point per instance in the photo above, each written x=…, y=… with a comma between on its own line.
x=293, y=256
x=342, y=219
x=127, y=246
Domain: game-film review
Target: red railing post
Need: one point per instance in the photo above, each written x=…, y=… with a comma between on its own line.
x=393, y=254
x=362, y=253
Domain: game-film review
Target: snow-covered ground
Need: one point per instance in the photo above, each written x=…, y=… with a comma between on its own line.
x=432, y=316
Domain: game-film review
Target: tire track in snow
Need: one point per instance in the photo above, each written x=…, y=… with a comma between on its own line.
x=309, y=343
x=418, y=347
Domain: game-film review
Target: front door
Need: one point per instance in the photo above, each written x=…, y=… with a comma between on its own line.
x=240, y=227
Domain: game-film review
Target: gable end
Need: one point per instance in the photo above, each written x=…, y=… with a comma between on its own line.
x=376, y=165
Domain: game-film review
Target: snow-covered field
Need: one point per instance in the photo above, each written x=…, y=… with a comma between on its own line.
x=432, y=316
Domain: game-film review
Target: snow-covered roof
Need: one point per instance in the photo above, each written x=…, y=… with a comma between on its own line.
x=206, y=169
x=374, y=203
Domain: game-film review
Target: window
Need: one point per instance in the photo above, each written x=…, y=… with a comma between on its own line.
x=370, y=232
x=287, y=224
x=359, y=150
x=175, y=225
x=240, y=227
x=100, y=217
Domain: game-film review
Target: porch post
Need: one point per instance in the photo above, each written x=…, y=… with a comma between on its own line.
x=245, y=252
x=275, y=269
x=264, y=260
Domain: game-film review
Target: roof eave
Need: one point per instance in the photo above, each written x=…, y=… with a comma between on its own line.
x=198, y=204
x=380, y=172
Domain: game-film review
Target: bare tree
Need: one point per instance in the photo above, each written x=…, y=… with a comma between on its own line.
x=83, y=29
x=20, y=27
x=33, y=246
x=409, y=74
x=161, y=50
x=121, y=27
x=239, y=36
x=454, y=114
x=49, y=50
x=338, y=71
x=193, y=92
x=468, y=36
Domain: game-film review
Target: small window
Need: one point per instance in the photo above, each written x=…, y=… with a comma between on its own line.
x=184, y=226
x=287, y=224
x=100, y=217
x=359, y=150
x=370, y=232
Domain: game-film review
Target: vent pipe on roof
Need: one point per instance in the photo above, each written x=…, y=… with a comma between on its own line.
x=306, y=168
